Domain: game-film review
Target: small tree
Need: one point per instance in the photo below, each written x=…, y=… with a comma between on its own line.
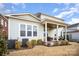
x=3, y=42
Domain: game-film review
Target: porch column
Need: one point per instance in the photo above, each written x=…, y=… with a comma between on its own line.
x=62, y=32
x=57, y=33
x=45, y=31
x=65, y=32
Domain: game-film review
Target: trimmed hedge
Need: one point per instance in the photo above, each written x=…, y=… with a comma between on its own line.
x=58, y=43
x=3, y=47
x=17, y=44
x=33, y=42
x=64, y=42
x=29, y=44
x=39, y=42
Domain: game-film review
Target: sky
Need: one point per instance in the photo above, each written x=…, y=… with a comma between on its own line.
x=67, y=11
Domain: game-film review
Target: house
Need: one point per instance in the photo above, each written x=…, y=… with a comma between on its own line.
x=35, y=26
x=3, y=26
x=73, y=32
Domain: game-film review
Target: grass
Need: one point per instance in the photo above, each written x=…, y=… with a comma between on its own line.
x=41, y=50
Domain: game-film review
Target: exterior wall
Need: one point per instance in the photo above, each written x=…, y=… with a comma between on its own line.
x=77, y=27
x=73, y=33
x=74, y=36
x=27, y=17
x=14, y=29
x=47, y=17
x=73, y=28
x=52, y=32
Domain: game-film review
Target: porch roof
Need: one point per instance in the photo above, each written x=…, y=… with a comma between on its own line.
x=53, y=22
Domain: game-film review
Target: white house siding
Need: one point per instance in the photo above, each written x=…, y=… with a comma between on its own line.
x=27, y=17
x=75, y=35
x=14, y=29
x=73, y=28
x=78, y=27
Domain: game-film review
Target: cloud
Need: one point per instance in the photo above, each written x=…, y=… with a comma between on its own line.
x=55, y=10
x=2, y=8
x=23, y=5
x=20, y=4
x=73, y=20
x=7, y=11
x=13, y=7
x=69, y=12
x=67, y=6
x=1, y=5
x=63, y=14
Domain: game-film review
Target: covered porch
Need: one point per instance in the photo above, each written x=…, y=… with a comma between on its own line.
x=54, y=30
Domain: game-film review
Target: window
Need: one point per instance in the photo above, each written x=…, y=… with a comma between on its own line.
x=22, y=30
x=29, y=30
x=34, y=30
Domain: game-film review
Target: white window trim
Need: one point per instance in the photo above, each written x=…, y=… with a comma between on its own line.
x=20, y=30
x=26, y=30
x=33, y=30
x=29, y=30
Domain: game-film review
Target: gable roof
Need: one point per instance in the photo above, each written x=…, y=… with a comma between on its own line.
x=73, y=25
x=36, y=16
x=73, y=31
x=39, y=14
x=20, y=14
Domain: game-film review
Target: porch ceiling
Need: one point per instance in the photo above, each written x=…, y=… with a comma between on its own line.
x=52, y=25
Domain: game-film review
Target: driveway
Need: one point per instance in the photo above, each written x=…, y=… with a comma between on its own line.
x=68, y=50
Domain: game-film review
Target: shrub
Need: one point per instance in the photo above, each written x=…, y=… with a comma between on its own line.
x=50, y=44
x=64, y=42
x=3, y=47
x=56, y=43
x=17, y=44
x=39, y=42
x=29, y=44
x=33, y=42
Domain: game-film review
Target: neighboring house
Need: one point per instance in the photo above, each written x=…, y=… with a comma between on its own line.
x=4, y=25
x=73, y=32
x=35, y=26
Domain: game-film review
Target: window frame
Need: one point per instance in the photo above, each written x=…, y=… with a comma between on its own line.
x=35, y=30
x=29, y=30
x=22, y=30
